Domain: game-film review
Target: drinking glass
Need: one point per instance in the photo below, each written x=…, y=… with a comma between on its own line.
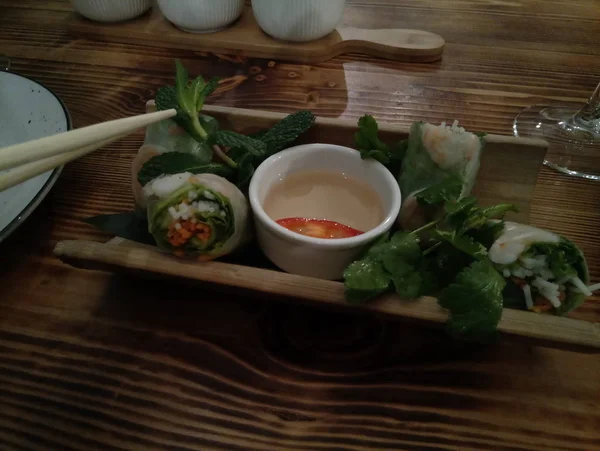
x=573, y=135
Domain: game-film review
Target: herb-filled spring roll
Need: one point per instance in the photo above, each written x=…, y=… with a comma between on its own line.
x=166, y=136
x=434, y=154
x=544, y=271
x=203, y=215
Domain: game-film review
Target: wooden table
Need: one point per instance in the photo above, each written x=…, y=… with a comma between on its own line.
x=92, y=360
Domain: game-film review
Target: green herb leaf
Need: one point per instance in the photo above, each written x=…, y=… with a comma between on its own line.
x=400, y=257
x=364, y=280
x=448, y=190
x=367, y=137
x=474, y=302
x=130, y=225
x=408, y=285
x=166, y=98
x=285, y=132
x=186, y=94
x=209, y=123
x=445, y=262
x=498, y=211
x=563, y=257
x=406, y=245
x=236, y=140
x=488, y=233
x=176, y=162
x=208, y=89
x=245, y=171
x=464, y=243
x=478, y=217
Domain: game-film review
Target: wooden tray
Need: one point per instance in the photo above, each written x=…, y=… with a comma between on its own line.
x=245, y=38
x=509, y=169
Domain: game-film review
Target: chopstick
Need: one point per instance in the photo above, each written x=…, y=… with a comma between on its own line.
x=40, y=155
x=30, y=170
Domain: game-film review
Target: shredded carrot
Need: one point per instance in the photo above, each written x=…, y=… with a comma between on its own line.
x=179, y=236
x=204, y=232
x=541, y=304
x=519, y=282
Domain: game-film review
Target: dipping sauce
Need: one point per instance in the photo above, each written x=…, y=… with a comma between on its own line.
x=324, y=195
x=318, y=228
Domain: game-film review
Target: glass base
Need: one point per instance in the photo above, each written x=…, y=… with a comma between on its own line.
x=573, y=148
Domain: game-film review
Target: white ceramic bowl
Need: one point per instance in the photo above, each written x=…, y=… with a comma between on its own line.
x=298, y=20
x=201, y=16
x=317, y=257
x=111, y=10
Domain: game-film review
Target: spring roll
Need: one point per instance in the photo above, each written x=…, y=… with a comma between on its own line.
x=435, y=153
x=162, y=137
x=203, y=216
x=545, y=272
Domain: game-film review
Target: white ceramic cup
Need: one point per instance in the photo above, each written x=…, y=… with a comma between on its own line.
x=201, y=16
x=317, y=257
x=111, y=10
x=298, y=20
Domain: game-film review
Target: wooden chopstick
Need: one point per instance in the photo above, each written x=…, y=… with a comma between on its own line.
x=94, y=135
x=30, y=170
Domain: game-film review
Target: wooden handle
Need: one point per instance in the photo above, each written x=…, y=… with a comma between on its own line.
x=397, y=44
x=547, y=330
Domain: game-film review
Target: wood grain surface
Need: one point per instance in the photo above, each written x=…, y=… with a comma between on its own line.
x=92, y=360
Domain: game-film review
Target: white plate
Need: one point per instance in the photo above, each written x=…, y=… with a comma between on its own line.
x=28, y=111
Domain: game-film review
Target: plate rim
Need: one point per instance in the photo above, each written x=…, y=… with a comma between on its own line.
x=43, y=192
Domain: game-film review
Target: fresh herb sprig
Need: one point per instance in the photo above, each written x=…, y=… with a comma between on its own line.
x=238, y=155
x=370, y=145
x=454, y=261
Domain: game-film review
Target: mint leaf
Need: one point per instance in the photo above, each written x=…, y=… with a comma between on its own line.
x=186, y=94
x=364, y=280
x=177, y=162
x=207, y=90
x=285, y=132
x=236, y=140
x=166, y=98
x=448, y=190
x=245, y=171
x=474, y=302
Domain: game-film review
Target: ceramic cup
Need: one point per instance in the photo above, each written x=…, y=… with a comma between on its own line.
x=111, y=10
x=201, y=16
x=318, y=257
x=298, y=20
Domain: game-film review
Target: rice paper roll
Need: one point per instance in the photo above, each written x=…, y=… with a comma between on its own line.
x=545, y=272
x=202, y=216
x=166, y=136
x=434, y=154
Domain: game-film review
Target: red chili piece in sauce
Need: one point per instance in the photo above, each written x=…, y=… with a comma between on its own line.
x=319, y=228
